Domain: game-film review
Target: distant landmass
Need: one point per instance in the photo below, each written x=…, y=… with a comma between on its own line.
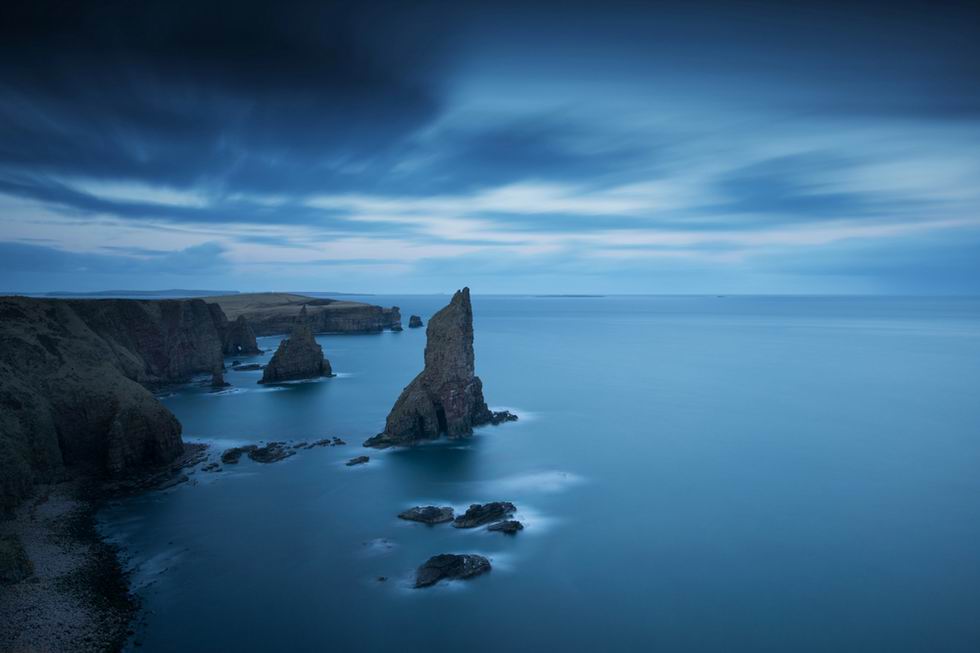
x=175, y=292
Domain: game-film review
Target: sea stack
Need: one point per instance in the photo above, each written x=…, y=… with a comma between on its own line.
x=239, y=338
x=414, y=322
x=446, y=398
x=298, y=356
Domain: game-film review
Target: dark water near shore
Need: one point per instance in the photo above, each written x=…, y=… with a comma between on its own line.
x=695, y=473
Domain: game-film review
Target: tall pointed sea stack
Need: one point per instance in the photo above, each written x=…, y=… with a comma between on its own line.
x=298, y=356
x=447, y=396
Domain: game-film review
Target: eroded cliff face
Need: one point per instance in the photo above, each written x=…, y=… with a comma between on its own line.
x=446, y=398
x=70, y=385
x=298, y=356
x=274, y=313
x=156, y=341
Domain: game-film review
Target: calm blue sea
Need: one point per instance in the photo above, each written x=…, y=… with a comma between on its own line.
x=694, y=474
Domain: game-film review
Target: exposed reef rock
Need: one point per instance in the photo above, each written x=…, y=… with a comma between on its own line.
x=359, y=460
x=510, y=527
x=450, y=566
x=414, y=322
x=501, y=416
x=270, y=453
x=274, y=313
x=479, y=514
x=239, y=338
x=298, y=356
x=447, y=396
x=428, y=514
x=70, y=385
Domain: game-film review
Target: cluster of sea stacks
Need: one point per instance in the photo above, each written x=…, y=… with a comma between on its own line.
x=76, y=402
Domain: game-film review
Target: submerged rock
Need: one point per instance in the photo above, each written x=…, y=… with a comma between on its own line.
x=359, y=460
x=450, y=566
x=298, y=356
x=501, y=416
x=511, y=526
x=270, y=453
x=414, y=322
x=233, y=455
x=446, y=398
x=428, y=514
x=479, y=514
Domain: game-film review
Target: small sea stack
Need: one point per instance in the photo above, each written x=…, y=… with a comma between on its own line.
x=298, y=356
x=414, y=322
x=239, y=338
x=446, y=398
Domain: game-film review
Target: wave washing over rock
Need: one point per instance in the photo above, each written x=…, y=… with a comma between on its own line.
x=446, y=398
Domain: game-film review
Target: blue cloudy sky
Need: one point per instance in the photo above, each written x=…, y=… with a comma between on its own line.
x=736, y=147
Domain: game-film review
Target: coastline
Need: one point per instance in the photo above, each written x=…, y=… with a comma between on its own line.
x=77, y=597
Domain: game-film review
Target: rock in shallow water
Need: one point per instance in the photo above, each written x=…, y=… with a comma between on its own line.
x=511, y=526
x=359, y=460
x=480, y=514
x=414, y=322
x=298, y=356
x=428, y=514
x=450, y=566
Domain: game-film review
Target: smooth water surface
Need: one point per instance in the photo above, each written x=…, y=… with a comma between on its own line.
x=694, y=473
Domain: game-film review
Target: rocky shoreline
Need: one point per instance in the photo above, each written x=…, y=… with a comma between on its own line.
x=74, y=594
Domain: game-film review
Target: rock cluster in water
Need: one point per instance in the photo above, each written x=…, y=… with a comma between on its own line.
x=446, y=398
x=479, y=514
x=298, y=356
x=450, y=566
x=428, y=514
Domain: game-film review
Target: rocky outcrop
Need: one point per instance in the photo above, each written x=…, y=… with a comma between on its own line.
x=275, y=313
x=510, y=527
x=71, y=393
x=450, y=566
x=358, y=460
x=298, y=356
x=428, y=514
x=414, y=322
x=446, y=398
x=239, y=339
x=479, y=514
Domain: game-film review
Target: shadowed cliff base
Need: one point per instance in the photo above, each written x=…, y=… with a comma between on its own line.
x=446, y=398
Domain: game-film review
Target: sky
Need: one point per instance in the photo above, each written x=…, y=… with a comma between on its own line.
x=514, y=147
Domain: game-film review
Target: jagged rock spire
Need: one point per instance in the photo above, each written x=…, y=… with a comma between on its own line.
x=298, y=356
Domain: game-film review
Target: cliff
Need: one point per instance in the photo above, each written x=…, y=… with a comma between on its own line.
x=71, y=393
x=238, y=337
x=274, y=313
x=446, y=398
x=298, y=356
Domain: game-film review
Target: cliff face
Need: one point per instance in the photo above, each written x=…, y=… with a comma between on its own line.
x=298, y=356
x=239, y=337
x=447, y=396
x=164, y=341
x=70, y=393
x=273, y=313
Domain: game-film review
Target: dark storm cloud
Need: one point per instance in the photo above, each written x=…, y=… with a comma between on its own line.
x=180, y=92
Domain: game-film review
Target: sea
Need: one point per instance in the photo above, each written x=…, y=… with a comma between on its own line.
x=694, y=473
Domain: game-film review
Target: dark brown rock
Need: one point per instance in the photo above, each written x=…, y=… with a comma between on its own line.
x=446, y=398
x=298, y=356
x=510, y=527
x=479, y=514
x=414, y=322
x=428, y=514
x=450, y=566
x=239, y=338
